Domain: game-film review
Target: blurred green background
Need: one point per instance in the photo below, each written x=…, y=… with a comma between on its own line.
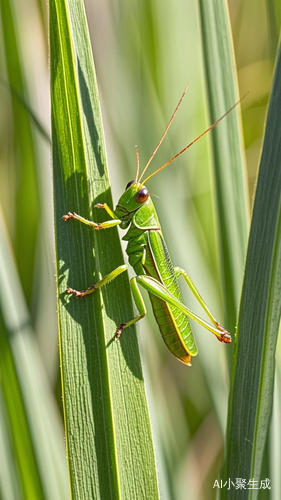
x=145, y=54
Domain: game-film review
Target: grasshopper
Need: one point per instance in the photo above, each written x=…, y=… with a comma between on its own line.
x=149, y=257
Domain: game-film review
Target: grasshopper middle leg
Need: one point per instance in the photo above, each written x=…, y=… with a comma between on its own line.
x=104, y=281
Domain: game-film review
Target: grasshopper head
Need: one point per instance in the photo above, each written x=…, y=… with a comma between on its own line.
x=133, y=198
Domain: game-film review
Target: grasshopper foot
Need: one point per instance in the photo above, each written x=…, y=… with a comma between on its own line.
x=119, y=331
x=81, y=293
x=76, y=293
x=225, y=335
x=69, y=215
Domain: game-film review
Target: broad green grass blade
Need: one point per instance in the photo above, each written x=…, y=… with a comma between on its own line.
x=28, y=416
x=253, y=371
x=227, y=149
x=108, y=433
x=23, y=155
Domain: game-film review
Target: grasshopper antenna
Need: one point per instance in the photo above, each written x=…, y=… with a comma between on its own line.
x=164, y=133
x=194, y=140
x=137, y=160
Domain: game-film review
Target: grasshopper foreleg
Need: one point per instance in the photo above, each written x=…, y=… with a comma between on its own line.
x=106, y=208
x=96, y=225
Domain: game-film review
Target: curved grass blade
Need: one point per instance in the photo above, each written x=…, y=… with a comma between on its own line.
x=24, y=159
x=228, y=161
x=29, y=111
x=108, y=433
x=254, y=361
x=32, y=425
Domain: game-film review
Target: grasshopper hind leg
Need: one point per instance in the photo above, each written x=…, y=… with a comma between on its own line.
x=225, y=335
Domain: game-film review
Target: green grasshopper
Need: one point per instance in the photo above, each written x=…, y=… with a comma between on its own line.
x=149, y=256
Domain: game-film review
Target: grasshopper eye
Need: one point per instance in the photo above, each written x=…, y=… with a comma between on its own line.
x=129, y=184
x=142, y=195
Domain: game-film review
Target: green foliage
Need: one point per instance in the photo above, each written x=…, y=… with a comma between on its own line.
x=145, y=54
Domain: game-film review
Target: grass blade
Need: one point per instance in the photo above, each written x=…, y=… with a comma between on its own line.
x=253, y=371
x=228, y=161
x=9, y=482
x=33, y=426
x=24, y=154
x=107, y=428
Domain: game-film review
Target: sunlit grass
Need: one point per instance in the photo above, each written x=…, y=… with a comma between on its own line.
x=145, y=53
